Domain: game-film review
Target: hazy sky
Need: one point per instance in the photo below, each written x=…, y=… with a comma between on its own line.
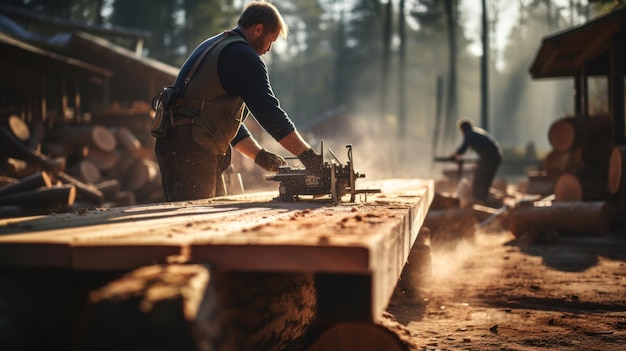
x=471, y=12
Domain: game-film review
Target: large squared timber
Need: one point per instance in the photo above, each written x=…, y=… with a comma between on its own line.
x=368, y=240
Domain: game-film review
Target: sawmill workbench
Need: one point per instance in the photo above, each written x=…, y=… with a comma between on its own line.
x=353, y=252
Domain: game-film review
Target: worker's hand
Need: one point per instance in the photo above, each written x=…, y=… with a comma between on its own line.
x=311, y=160
x=269, y=161
x=454, y=157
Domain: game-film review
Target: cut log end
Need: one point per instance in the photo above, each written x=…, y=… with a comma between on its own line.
x=359, y=337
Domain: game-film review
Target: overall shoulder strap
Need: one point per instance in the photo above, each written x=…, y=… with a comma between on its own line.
x=196, y=64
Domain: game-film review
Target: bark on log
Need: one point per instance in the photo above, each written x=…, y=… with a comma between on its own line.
x=58, y=196
x=79, y=136
x=84, y=191
x=567, y=132
x=575, y=218
x=37, y=180
x=178, y=307
x=13, y=147
x=617, y=173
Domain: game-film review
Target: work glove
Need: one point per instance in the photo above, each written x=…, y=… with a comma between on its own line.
x=269, y=161
x=311, y=160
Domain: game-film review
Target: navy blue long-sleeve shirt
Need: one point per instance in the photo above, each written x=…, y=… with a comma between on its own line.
x=243, y=73
x=482, y=143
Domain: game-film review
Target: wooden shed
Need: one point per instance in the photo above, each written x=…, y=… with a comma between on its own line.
x=595, y=49
x=588, y=156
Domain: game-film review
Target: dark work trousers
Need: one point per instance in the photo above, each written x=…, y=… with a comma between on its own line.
x=189, y=172
x=483, y=176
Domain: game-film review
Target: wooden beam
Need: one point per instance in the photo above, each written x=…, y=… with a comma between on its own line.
x=370, y=238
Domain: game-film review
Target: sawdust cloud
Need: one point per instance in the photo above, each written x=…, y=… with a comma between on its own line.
x=450, y=265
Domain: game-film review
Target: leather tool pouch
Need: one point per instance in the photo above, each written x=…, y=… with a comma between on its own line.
x=162, y=105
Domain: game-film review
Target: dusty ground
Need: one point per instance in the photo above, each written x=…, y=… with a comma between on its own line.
x=497, y=293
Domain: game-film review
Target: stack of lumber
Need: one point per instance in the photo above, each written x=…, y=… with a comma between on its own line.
x=81, y=165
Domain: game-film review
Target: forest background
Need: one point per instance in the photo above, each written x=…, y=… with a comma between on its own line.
x=406, y=70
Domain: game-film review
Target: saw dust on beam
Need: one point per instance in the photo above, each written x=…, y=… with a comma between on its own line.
x=306, y=234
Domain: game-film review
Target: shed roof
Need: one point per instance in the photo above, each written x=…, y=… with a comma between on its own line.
x=27, y=54
x=563, y=54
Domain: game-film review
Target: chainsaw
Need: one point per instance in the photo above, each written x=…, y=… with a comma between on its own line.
x=334, y=179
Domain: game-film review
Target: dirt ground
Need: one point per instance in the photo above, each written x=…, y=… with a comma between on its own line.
x=494, y=292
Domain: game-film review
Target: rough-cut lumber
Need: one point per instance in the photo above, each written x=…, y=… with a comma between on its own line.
x=249, y=232
x=13, y=147
x=576, y=218
x=269, y=266
x=79, y=136
x=617, y=173
x=34, y=181
x=54, y=197
x=84, y=191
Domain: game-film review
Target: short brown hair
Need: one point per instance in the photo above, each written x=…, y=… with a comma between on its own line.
x=465, y=124
x=261, y=12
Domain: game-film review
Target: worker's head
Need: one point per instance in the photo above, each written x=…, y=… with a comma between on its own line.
x=261, y=24
x=464, y=124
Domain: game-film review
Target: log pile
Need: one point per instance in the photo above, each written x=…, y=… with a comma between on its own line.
x=582, y=179
x=583, y=158
x=74, y=166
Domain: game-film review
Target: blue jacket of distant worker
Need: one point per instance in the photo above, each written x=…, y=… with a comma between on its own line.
x=489, y=154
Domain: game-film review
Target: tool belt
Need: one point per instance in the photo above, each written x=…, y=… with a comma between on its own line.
x=177, y=121
x=198, y=104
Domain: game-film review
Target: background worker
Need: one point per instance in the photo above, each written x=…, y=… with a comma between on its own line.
x=489, y=157
x=211, y=107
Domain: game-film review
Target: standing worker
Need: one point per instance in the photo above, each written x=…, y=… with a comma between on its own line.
x=489, y=157
x=223, y=78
